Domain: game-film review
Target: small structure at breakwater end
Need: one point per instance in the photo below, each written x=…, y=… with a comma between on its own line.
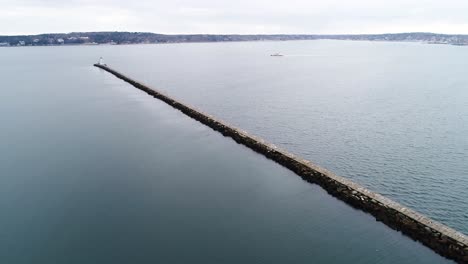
x=101, y=61
x=442, y=239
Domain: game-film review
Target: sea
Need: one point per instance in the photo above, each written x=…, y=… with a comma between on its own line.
x=93, y=170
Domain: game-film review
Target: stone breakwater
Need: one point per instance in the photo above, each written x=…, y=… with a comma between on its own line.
x=442, y=239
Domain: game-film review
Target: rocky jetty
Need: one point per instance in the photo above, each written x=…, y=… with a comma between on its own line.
x=440, y=238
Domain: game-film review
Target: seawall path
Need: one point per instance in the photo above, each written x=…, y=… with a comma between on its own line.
x=442, y=239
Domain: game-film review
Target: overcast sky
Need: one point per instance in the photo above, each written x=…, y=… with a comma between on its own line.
x=234, y=16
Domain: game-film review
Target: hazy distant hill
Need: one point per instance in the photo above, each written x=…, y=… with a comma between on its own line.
x=88, y=38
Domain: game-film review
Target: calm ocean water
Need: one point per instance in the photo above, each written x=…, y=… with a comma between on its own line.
x=94, y=171
x=390, y=116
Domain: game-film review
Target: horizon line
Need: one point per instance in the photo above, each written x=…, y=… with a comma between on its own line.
x=236, y=34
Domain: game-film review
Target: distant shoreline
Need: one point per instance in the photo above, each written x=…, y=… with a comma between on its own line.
x=234, y=41
x=130, y=38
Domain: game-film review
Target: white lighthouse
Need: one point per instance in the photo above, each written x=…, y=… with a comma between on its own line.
x=101, y=61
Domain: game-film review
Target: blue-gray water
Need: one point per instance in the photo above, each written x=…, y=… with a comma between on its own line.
x=390, y=116
x=94, y=171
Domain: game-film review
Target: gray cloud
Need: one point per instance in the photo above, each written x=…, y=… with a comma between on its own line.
x=240, y=16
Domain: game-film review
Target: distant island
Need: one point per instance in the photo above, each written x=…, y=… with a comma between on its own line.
x=118, y=38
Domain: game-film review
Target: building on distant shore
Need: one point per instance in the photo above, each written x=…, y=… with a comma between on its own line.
x=4, y=44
